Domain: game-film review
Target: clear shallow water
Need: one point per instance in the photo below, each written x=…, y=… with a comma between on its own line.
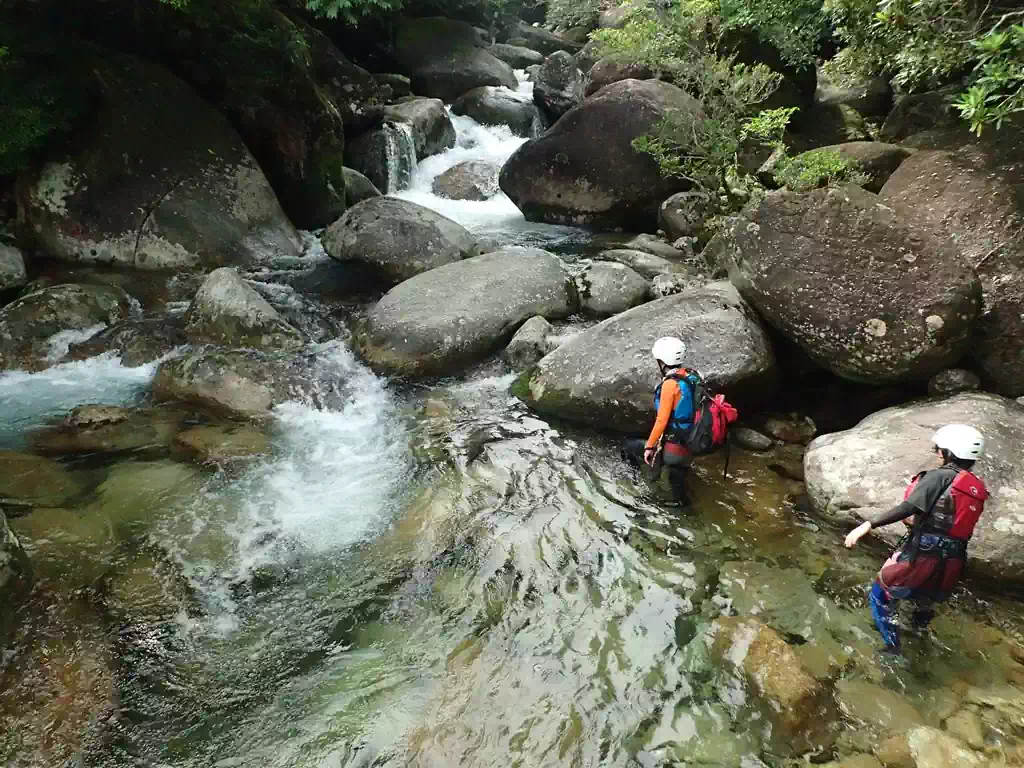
x=433, y=576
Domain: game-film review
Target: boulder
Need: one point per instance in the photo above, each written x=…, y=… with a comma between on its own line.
x=222, y=444
x=432, y=129
x=15, y=578
x=563, y=178
x=588, y=56
x=28, y=325
x=469, y=180
x=865, y=291
x=916, y=112
x=605, y=376
x=606, y=288
x=12, y=268
x=399, y=238
x=236, y=383
x=137, y=189
x=676, y=282
x=645, y=264
x=450, y=317
x=502, y=106
x=751, y=439
x=444, y=58
x=863, y=471
x=870, y=96
x=137, y=342
x=611, y=70
x=386, y=156
x=828, y=124
x=655, y=245
x=614, y=18
x=756, y=657
x=877, y=707
x=685, y=214
x=105, y=430
x=28, y=481
x=791, y=428
x=400, y=85
x=531, y=342
x=559, y=85
x=516, y=56
x=579, y=34
x=358, y=187
x=953, y=381
x=876, y=159
x=931, y=748
x=541, y=40
x=227, y=312
x=973, y=192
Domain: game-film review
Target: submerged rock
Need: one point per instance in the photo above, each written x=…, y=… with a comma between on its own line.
x=502, y=106
x=222, y=444
x=136, y=189
x=469, y=180
x=606, y=377
x=135, y=342
x=432, y=130
x=559, y=85
x=863, y=471
x=12, y=268
x=34, y=481
x=399, y=238
x=28, y=325
x=607, y=288
x=443, y=320
x=226, y=311
x=358, y=187
x=585, y=169
x=867, y=292
x=876, y=706
x=531, y=342
x=104, y=429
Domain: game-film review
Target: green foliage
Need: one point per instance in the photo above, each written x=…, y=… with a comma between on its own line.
x=352, y=10
x=768, y=126
x=794, y=27
x=573, y=13
x=818, y=168
x=998, y=90
x=665, y=43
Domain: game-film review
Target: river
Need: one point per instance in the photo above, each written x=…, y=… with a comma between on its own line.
x=433, y=576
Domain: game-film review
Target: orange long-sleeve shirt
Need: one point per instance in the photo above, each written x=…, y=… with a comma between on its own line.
x=670, y=394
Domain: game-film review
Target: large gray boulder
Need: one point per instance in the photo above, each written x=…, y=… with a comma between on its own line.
x=358, y=187
x=516, y=56
x=973, y=192
x=138, y=188
x=863, y=471
x=469, y=180
x=531, y=342
x=386, y=156
x=559, y=85
x=445, y=58
x=450, y=317
x=606, y=288
x=227, y=312
x=12, y=268
x=866, y=292
x=643, y=263
x=606, y=376
x=540, y=39
x=28, y=324
x=685, y=214
x=397, y=237
x=502, y=106
x=612, y=69
x=585, y=170
x=432, y=129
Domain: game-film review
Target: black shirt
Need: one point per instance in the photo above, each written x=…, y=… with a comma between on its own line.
x=928, y=490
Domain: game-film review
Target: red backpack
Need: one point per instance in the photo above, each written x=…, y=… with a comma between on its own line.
x=712, y=416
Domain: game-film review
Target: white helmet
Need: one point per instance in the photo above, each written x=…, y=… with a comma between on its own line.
x=962, y=441
x=670, y=351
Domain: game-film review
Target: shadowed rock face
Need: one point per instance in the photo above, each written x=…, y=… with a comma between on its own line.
x=560, y=178
x=158, y=180
x=859, y=473
x=606, y=377
x=867, y=292
x=445, y=319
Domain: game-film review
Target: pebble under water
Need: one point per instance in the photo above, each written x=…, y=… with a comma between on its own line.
x=431, y=575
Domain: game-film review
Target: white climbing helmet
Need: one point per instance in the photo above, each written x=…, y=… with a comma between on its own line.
x=670, y=351
x=962, y=441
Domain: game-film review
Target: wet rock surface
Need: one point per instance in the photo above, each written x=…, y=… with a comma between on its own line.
x=471, y=180
x=135, y=342
x=215, y=444
x=607, y=288
x=432, y=130
x=531, y=342
x=34, y=481
x=102, y=430
x=502, y=106
x=605, y=376
x=358, y=187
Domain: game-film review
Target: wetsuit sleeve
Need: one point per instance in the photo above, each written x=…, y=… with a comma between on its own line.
x=669, y=398
x=901, y=512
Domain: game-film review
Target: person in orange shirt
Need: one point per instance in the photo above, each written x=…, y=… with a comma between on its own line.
x=673, y=401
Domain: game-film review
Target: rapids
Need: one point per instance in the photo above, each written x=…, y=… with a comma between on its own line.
x=433, y=576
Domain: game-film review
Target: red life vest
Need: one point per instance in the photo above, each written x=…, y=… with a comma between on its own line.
x=957, y=510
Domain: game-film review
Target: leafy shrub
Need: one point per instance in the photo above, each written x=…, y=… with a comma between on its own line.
x=818, y=168
x=574, y=13
x=795, y=27
x=998, y=90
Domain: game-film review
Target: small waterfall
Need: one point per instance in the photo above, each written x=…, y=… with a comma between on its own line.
x=386, y=156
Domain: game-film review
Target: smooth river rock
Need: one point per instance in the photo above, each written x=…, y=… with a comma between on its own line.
x=443, y=320
x=432, y=129
x=399, y=238
x=489, y=105
x=12, y=268
x=606, y=376
x=863, y=471
x=865, y=291
x=606, y=288
x=559, y=85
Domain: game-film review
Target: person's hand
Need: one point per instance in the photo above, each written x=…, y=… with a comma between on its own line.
x=857, y=534
x=649, y=456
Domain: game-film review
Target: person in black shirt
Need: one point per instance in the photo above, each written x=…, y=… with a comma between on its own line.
x=941, y=506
